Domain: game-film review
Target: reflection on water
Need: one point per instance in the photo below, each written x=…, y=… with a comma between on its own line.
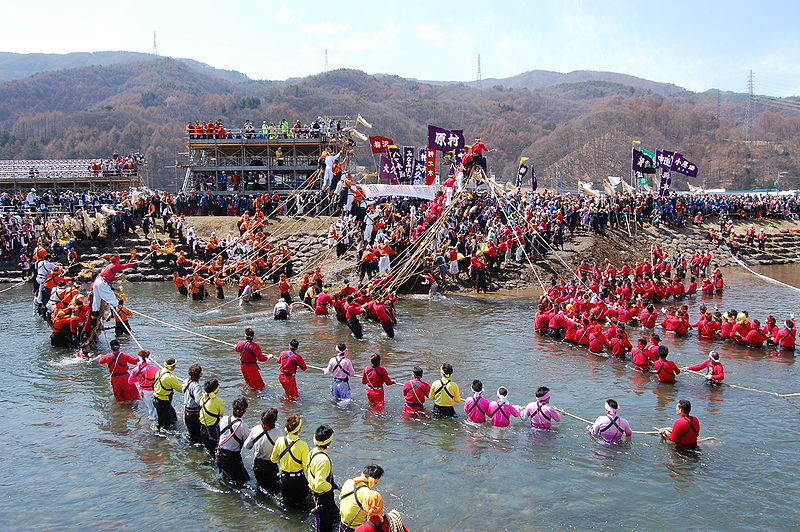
x=442, y=474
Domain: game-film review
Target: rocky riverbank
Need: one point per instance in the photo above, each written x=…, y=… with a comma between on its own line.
x=307, y=236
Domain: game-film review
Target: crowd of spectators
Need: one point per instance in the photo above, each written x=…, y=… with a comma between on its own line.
x=117, y=165
x=320, y=128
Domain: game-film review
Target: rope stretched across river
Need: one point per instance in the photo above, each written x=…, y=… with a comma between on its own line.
x=648, y=432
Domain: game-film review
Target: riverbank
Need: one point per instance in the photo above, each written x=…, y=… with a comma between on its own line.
x=307, y=236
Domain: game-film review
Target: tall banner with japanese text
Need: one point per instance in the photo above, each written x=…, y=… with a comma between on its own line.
x=386, y=170
x=419, y=167
x=534, y=183
x=397, y=163
x=666, y=183
x=664, y=159
x=408, y=162
x=430, y=166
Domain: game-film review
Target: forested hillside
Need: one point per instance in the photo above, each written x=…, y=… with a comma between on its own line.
x=583, y=125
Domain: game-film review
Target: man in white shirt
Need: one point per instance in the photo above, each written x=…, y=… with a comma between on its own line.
x=232, y=435
x=282, y=310
x=261, y=440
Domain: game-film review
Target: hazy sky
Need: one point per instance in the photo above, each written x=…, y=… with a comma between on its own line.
x=694, y=44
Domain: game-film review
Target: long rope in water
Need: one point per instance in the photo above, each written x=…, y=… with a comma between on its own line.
x=13, y=286
x=776, y=394
x=760, y=276
x=648, y=432
x=130, y=333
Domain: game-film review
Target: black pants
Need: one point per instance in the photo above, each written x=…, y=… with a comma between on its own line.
x=294, y=491
x=341, y=318
x=327, y=516
x=197, y=296
x=231, y=466
x=121, y=328
x=389, y=328
x=166, y=413
x=281, y=315
x=182, y=290
x=220, y=293
x=266, y=473
x=210, y=437
x=286, y=296
x=443, y=411
x=192, y=421
x=355, y=326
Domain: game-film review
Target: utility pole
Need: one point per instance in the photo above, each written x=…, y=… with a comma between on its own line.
x=719, y=92
x=155, y=48
x=479, y=81
x=326, y=59
x=748, y=112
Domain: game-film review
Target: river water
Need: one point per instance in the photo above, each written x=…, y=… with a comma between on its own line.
x=72, y=457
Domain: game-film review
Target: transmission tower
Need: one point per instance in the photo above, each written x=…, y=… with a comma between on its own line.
x=748, y=111
x=155, y=48
x=478, y=80
x=719, y=93
x=326, y=59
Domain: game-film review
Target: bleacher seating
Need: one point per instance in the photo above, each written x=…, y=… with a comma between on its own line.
x=55, y=169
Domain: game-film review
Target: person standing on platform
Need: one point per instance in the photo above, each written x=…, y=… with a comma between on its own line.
x=249, y=356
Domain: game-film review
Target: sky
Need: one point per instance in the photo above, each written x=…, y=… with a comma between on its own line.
x=696, y=45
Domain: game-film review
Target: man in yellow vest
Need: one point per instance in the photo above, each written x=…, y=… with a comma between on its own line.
x=291, y=455
x=164, y=386
x=445, y=393
x=320, y=481
x=352, y=495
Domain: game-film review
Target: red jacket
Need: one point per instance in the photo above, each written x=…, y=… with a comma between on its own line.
x=375, y=377
x=685, y=430
x=666, y=370
x=717, y=372
x=289, y=362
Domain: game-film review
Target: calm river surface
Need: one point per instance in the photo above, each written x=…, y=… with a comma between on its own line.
x=73, y=458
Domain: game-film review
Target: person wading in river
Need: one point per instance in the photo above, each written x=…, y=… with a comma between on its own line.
x=262, y=439
x=445, y=393
x=211, y=411
x=192, y=395
x=415, y=392
x=164, y=387
x=320, y=481
x=291, y=455
x=231, y=438
x=685, y=429
x=341, y=368
x=288, y=364
x=353, y=495
x=249, y=356
x=611, y=428
x=117, y=363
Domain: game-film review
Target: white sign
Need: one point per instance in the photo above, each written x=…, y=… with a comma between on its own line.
x=427, y=192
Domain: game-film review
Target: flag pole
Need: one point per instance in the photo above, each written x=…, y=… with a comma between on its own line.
x=633, y=146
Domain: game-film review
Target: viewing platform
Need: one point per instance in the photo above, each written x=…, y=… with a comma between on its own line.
x=66, y=174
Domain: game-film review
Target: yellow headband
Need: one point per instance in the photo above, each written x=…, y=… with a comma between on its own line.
x=324, y=442
x=296, y=429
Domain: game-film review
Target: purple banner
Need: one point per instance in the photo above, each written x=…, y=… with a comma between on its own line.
x=683, y=166
x=664, y=159
x=397, y=163
x=534, y=184
x=444, y=139
x=419, y=168
x=386, y=170
x=642, y=163
x=408, y=162
x=666, y=183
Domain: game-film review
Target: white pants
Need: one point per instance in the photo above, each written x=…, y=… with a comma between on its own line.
x=147, y=399
x=102, y=291
x=383, y=264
